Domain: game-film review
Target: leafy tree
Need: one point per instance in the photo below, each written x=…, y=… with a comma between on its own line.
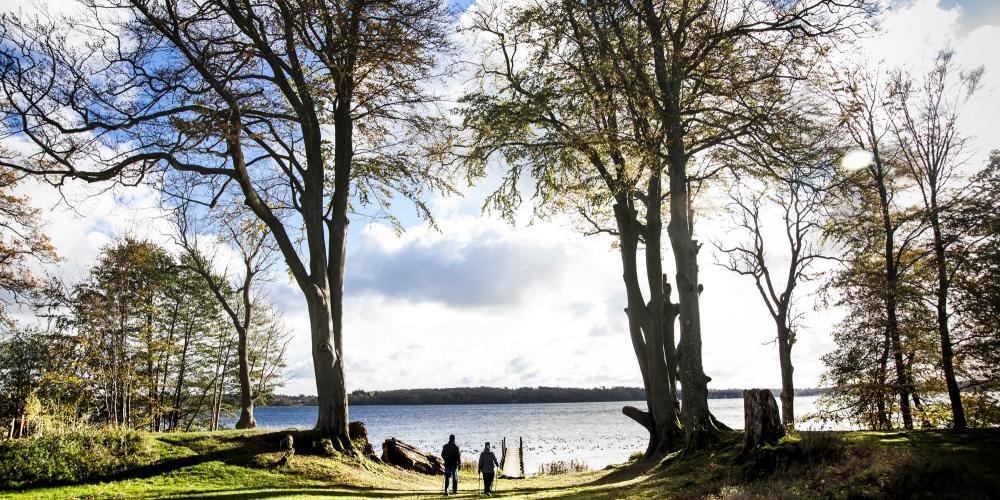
x=121, y=312
x=925, y=122
x=977, y=295
x=307, y=107
x=877, y=186
x=22, y=241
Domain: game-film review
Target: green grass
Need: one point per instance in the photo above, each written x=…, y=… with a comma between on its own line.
x=242, y=464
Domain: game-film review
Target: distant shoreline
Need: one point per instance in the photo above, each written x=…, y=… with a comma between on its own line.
x=503, y=395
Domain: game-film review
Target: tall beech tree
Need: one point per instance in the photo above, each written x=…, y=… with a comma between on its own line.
x=571, y=92
x=717, y=68
x=550, y=104
x=294, y=102
x=925, y=120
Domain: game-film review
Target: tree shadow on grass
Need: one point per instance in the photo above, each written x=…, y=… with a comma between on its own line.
x=332, y=492
x=245, y=450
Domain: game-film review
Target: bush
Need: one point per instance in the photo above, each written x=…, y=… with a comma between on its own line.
x=790, y=454
x=72, y=456
x=639, y=455
x=563, y=467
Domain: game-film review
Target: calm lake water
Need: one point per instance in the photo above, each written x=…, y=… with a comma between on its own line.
x=596, y=433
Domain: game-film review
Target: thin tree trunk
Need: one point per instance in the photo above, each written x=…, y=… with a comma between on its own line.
x=891, y=294
x=246, y=420
x=884, y=422
x=179, y=387
x=787, y=385
x=947, y=353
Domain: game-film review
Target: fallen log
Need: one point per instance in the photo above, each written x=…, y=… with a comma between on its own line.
x=400, y=454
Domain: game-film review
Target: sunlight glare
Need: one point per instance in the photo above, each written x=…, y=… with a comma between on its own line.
x=856, y=159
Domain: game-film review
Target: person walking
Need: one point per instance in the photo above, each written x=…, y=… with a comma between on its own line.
x=452, y=459
x=487, y=466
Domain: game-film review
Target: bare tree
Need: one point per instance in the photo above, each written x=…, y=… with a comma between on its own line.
x=925, y=123
x=798, y=197
x=237, y=293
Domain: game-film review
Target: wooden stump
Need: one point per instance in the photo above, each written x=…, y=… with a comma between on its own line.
x=287, y=447
x=359, y=434
x=403, y=455
x=761, y=420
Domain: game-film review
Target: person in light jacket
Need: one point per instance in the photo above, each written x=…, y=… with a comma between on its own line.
x=452, y=458
x=487, y=466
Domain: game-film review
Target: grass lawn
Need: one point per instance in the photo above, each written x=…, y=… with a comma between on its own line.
x=242, y=464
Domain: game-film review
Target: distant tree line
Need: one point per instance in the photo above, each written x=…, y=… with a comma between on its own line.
x=501, y=395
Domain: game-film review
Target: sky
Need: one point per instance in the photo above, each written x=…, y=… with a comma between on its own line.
x=481, y=302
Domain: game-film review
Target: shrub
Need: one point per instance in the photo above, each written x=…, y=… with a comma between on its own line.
x=71, y=456
x=639, y=455
x=563, y=467
x=818, y=447
x=469, y=466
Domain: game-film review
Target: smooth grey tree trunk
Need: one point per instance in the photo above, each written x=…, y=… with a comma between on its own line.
x=246, y=420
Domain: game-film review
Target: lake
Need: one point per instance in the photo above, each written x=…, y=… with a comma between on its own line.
x=596, y=433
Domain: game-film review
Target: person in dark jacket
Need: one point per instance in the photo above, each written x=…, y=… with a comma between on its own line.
x=452, y=458
x=487, y=461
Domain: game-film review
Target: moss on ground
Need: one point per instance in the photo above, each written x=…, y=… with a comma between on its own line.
x=244, y=464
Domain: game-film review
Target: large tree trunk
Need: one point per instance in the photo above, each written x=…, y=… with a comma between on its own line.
x=661, y=421
x=333, y=401
x=331, y=421
x=400, y=454
x=699, y=427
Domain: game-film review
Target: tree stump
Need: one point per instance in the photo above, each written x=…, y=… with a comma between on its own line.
x=761, y=420
x=359, y=434
x=287, y=447
x=409, y=457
